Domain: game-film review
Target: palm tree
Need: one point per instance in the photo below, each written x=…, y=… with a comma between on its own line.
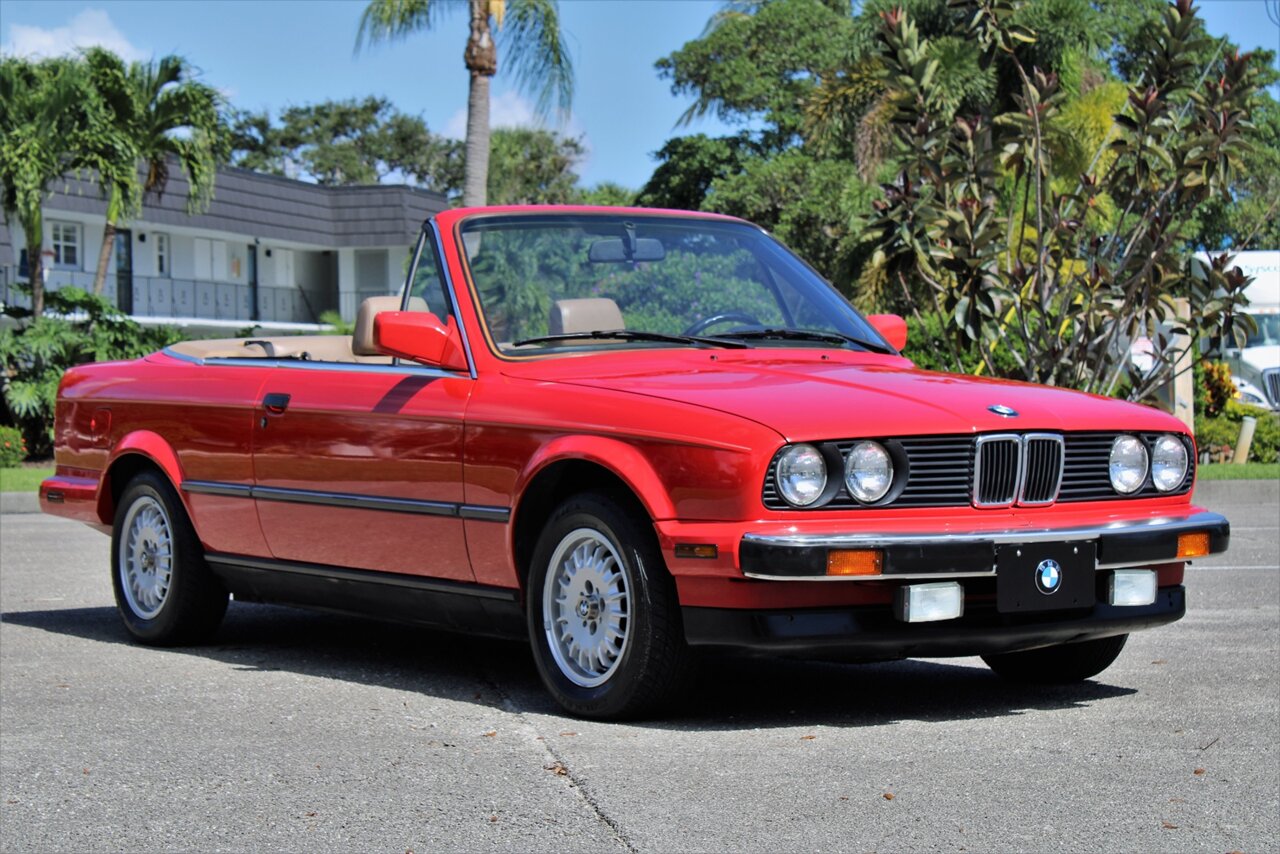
x=41, y=117
x=530, y=34
x=149, y=114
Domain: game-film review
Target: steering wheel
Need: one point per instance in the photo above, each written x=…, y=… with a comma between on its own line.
x=700, y=326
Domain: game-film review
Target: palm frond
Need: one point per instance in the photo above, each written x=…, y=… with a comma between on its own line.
x=536, y=54
x=388, y=20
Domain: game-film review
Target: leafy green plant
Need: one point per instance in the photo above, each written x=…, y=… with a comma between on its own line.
x=337, y=326
x=1079, y=265
x=77, y=327
x=13, y=448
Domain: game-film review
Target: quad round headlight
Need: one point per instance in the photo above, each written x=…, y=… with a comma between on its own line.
x=801, y=475
x=1168, y=463
x=1128, y=464
x=868, y=472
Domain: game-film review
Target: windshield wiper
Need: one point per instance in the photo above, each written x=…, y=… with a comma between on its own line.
x=807, y=335
x=633, y=335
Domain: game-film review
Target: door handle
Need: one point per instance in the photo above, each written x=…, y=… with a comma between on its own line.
x=275, y=404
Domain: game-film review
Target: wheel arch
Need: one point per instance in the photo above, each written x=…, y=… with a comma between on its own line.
x=139, y=451
x=606, y=466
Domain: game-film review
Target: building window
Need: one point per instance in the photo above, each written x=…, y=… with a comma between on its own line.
x=66, y=244
x=162, y=255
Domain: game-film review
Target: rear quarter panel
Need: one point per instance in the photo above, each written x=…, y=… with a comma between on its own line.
x=195, y=418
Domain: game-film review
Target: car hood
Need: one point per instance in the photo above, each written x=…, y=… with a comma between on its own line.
x=858, y=395
x=1261, y=358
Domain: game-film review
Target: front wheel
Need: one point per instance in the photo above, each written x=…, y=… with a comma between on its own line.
x=164, y=590
x=602, y=611
x=1068, y=662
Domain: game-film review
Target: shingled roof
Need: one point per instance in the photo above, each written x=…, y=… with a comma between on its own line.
x=269, y=207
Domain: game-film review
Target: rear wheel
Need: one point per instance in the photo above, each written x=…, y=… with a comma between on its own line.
x=602, y=612
x=1070, y=662
x=164, y=590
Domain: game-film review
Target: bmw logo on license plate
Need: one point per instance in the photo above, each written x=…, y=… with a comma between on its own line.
x=1048, y=576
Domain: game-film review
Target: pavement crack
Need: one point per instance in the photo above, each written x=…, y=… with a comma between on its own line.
x=555, y=760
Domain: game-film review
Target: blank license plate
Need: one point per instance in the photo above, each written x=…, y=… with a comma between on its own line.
x=1046, y=576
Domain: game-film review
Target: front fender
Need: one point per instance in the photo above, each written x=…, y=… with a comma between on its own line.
x=621, y=459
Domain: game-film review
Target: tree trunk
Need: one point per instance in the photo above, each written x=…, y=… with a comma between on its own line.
x=476, y=183
x=481, y=58
x=104, y=257
x=33, y=225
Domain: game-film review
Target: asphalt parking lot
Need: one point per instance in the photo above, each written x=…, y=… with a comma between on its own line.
x=300, y=731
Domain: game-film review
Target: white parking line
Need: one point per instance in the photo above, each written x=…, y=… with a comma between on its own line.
x=1271, y=567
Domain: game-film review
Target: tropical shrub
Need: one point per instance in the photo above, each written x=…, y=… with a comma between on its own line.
x=13, y=448
x=1070, y=268
x=1217, y=387
x=77, y=327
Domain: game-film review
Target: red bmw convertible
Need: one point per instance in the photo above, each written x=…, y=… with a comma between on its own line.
x=627, y=435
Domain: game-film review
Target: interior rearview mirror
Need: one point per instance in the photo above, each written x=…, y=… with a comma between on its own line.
x=612, y=250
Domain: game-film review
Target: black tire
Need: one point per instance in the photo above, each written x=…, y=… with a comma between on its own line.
x=654, y=664
x=1069, y=662
x=188, y=606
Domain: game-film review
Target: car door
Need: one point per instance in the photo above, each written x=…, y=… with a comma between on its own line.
x=360, y=466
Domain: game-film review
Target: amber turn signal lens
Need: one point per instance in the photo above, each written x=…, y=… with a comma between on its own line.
x=703, y=551
x=855, y=562
x=1193, y=545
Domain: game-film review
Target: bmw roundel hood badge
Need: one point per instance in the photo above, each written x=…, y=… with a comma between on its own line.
x=1003, y=411
x=1048, y=576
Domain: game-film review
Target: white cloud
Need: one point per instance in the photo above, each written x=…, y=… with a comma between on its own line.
x=506, y=110
x=509, y=110
x=88, y=28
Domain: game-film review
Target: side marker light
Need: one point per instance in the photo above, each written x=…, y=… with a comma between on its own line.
x=847, y=562
x=1193, y=545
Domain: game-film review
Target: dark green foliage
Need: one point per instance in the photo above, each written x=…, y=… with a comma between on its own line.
x=44, y=121
x=761, y=63
x=689, y=165
x=607, y=193
x=348, y=142
x=78, y=327
x=369, y=141
x=1050, y=278
x=531, y=166
x=811, y=79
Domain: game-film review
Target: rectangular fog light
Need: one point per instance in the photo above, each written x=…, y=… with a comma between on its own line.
x=1133, y=587
x=924, y=603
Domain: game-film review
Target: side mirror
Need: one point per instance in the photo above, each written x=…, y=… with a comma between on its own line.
x=418, y=336
x=892, y=327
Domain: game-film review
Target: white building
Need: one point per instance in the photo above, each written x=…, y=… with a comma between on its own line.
x=268, y=251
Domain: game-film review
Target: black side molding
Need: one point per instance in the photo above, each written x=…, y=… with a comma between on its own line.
x=476, y=608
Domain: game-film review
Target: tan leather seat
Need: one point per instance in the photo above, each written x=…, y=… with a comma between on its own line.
x=584, y=315
x=362, y=343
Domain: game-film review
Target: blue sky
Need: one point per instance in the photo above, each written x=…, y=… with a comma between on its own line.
x=274, y=53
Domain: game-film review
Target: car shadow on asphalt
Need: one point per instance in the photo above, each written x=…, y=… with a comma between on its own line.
x=730, y=692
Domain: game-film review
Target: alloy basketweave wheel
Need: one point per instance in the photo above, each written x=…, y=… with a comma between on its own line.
x=1069, y=662
x=164, y=590
x=602, y=611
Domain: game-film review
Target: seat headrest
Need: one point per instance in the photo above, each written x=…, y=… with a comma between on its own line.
x=584, y=315
x=362, y=343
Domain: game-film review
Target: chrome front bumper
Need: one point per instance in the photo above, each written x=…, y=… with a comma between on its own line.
x=942, y=556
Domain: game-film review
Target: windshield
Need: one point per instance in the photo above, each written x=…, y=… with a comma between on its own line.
x=546, y=282
x=1268, y=332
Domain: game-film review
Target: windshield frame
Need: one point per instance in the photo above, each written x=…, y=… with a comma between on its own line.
x=774, y=247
